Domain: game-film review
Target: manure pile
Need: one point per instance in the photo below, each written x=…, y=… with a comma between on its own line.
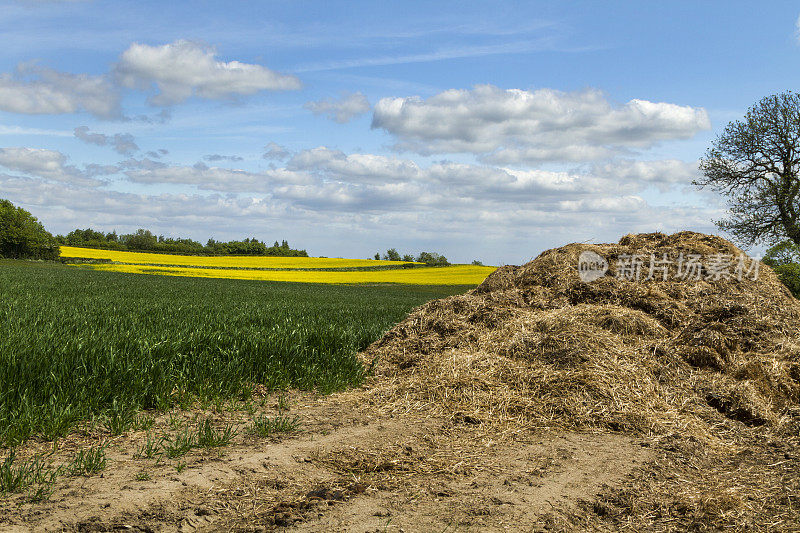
x=535, y=346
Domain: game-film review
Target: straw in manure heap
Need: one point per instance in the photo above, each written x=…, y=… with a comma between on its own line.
x=651, y=352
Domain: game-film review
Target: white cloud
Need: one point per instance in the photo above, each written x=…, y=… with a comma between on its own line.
x=106, y=208
x=183, y=68
x=612, y=205
x=122, y=143
x=354, y=167
x=49, y=164
x=515, y=126
x=37, y=90
x=341, y=110
x=331, y=179
x=408, y=215
x=386, y=201
x=662, y=173
x=275, y=151
x=220, y=157
x=214, y=178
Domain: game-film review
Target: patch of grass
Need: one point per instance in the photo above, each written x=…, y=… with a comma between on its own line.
x=142, y=475
x=89, y=461
x=17, y=476
x=75, y=341
x=120, y=417
x=55, y=421
x=180, y=467
x=150, y=448
x=144, y=422
x=283, y=403
x=264, y=426
x=179, y=444
x=208, y=437
x=175, y=421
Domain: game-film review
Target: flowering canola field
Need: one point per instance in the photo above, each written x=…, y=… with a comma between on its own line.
x=141, y=258
x=304, y=269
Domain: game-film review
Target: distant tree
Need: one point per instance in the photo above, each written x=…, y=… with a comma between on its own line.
x=477, y=263
x=432, y=259
x=22, y=236
x=784, y=258
x=783, y=253
x=81, y=237
x=408, y=257
x=377, y=256
x=392, y=255
x=141, y=240
x=755, y=162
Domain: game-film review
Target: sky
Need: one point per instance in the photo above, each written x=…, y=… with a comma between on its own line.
x=478, y=130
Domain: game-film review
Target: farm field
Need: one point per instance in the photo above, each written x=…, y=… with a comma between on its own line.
x=266, y=262
x=288, y=269
x=78, y=344
x=538, y=403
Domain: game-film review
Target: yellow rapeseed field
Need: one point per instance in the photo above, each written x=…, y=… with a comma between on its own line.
x=451, y=275
x=308, y=269
x=138, y=258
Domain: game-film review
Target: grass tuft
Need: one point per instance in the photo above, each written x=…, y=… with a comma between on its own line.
x=17, y=476
x=89, y=461
x=208, y=437
x=264, y=426
x=179, y=444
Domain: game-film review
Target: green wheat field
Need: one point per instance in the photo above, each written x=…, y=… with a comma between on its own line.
x=78, y=344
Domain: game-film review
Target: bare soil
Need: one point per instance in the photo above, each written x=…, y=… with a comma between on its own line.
x=345, y=469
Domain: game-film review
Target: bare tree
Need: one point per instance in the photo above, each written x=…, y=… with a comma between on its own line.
x=755, y=162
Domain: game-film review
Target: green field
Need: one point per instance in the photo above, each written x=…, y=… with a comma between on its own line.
x=78, y=344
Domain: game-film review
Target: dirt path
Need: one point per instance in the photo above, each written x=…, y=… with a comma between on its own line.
x=346, y=470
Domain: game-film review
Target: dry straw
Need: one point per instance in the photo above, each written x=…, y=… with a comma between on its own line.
x=534, y=346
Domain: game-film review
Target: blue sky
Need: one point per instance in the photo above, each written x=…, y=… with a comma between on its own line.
x=488, y=130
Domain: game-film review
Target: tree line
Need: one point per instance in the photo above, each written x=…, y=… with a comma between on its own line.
x=145, y=241
x=429, y=258
x=22, y=236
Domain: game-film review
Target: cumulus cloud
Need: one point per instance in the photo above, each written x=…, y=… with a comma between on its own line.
x=51, y=165
x=371, y=195
x=515, y=126
x=145, y=163
x=661, y=173
x=218, y=157
x=122, y=143
x=213, y=178
x=106, y=208
x=354, y=167
x=275, y=151
x=343, y=109
x=36, y=90
x=157, y=154
x=319, y=175
x=182, y=69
